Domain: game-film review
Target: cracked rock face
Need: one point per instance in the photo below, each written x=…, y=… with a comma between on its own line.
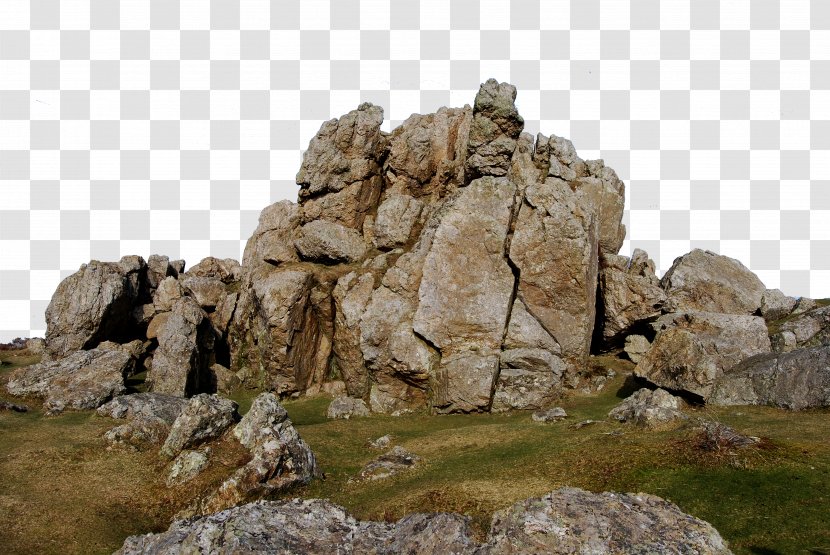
x=568, y=520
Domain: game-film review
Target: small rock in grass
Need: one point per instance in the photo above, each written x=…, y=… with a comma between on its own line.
x=187, y=466
x=382, y=442
x=387, y=465
x=549, y=415
x=347, y=407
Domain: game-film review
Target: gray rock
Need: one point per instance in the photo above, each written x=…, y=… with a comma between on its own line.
x=397, y=216
x=494, y=130
x=225, y=270
x=311, y=527
x=706, y=281
x=184, y=340
x=81, y=380
x=167, y=293
x=464, y=294
x=387, y=465
x=529, y=379
x=186, y=466
x=383, y=442
x=649, y=409
x=273, y=239
x=571, y=520
x=804, y=304
x=92, y=305
x=554, y=414
x=636, y=346
x=630, y=294
x=13, y=407
x=343, y=408
x=775, y=304
x=280, y=458
x=324, y=241
x=208, y=291
x=351, y=296
x=795, y=380
x=720, y=437
x=138, y=405
x=783, y=341
x=158, y=268
x=205, y=417
x=811, y=328
x=693, y=349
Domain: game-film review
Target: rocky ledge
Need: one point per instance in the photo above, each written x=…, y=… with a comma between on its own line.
x=568, y=520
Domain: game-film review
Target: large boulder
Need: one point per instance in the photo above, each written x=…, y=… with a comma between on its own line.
x=775, y=304
x=795, y=380
x=312, y=526
x=148, y=416
x=182, y=359
x=280, y=459
x=465, y=293
x=273, y=240
x=571, y=520
x=630, y=293
x=340, y=178
x=95, y=304
x=205, y=417
x=494, y=130
x=324, y=241
x=807, y=329
x=693, y=349
x=649, y=408
x=81, y=380
x=705, y=281
x=568, y=520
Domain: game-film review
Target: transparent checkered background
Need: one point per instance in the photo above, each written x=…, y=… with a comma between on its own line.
x=165, y=126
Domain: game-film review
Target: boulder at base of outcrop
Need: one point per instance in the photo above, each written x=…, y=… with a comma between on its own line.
x=186, y=466
x=549, y=415
x=649, y=409
x=311, y=527
x=280, y=458
x=706, y=281
x=630, y=292
x=775, y=304
x=571, y=520
x=692, y=349
x=636, y=346
x=82, y=380
x=205, y=417
x=93, y=305
x=795, y=380
x=149, y=417
x=386, y=465
x=343, y=408
x=809, y=329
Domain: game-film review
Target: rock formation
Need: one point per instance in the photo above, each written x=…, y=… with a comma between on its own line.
x=568, y=520
x=456, y=264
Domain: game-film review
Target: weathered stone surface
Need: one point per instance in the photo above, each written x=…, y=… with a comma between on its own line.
x=310, y=527
x=340, y=175
x=795, y=380
x=81, y=380
x=427, y=153
x=494, y=130
x=158, y=268
x=93, y=305
x=549, y=415
x=203, y=418
x=280, y=458
x=630, y=294
x=804, y=304
x=706, y=281
x=636, y=346
x=208, y=291
x=606, y=193
x=138, y=405
x=277, y=337
x=13, y=407
x=783, y=341
x=347, y=407
x=571, y=520
x=529, y=379
x=693, y=349
x=140, y=434
x=155, y=325
x=649, y=408
x=223, y=315
x=222, y=379
x=168, y=292
x=186, y=466
x=383, y=442
x=720, y=437
x=273, y=240
x=775, y=304
x=558, y=285
x=181, y=360
x=810, y=328
x=226, y=270
x=324, y=241
x=465, y=293
x=396, y=218
x=388, y=464
x=351, y=296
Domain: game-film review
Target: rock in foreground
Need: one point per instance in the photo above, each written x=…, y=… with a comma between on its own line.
x=649, y=409
x=796, y=380
x=568, y=520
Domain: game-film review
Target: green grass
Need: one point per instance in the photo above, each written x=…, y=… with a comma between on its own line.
x=80, y=498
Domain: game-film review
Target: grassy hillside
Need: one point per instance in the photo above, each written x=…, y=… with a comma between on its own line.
x=62, y=491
